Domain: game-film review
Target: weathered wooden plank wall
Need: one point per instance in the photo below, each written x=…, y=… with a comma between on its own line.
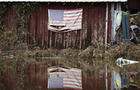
x=109, y=24
x=9, y=22
x=93, y=26
x=92, y=31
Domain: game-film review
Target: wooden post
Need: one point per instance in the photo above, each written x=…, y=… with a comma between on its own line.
x=106, y=77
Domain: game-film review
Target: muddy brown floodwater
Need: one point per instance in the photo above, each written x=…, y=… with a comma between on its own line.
x=33, y=75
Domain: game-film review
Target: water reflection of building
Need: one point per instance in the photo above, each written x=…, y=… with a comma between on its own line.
x=64, y=78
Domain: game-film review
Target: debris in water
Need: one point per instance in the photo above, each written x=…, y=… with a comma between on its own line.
x=121, y=62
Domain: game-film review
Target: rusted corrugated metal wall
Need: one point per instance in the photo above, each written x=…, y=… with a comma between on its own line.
x=92, y=31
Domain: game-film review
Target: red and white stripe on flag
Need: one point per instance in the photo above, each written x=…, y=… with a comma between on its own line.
x=72, y=20
x=72, y=79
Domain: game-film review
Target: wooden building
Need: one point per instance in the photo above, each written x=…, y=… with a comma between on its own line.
x=96, y=24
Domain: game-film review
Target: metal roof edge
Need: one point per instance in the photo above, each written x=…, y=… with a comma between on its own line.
x=63, y=1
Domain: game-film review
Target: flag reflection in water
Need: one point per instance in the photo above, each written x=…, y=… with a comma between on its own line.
x=64, y=78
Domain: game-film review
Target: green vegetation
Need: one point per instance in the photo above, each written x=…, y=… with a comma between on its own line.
x=137, y=19
x=16, y=36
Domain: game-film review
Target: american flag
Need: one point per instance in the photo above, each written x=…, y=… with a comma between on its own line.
x=71, y=78
x=65, y=19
